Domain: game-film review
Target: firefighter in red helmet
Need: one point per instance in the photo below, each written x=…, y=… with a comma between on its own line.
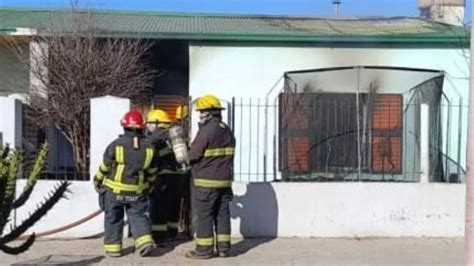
x=123, y=181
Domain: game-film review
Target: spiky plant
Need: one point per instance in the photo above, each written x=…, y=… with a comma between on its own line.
x=10, y=162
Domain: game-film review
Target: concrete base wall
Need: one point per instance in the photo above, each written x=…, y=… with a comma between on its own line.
x=299, y=210
x=80, y=203
x=348, y=210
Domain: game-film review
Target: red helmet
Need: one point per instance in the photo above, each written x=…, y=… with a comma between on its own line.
x=133, y=119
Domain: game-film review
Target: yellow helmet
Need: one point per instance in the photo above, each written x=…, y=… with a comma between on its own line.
x=181, y=112
x=158, y=116
x=208, y=102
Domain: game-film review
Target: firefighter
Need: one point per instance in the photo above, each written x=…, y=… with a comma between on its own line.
x=123, y=182
x=181, y=116
x=175, y=178
x=165, y=199
x=212, y=157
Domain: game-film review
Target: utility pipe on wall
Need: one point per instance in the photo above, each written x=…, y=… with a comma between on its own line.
x=469, y=225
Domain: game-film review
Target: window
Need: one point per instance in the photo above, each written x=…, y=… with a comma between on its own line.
x=328, y=134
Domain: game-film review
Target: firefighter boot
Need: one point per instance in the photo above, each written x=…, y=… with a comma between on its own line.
x=221, y=254
x=146, y=250
x=193, y=254
x=113, y=254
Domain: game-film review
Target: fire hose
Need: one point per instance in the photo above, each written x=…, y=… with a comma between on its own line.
x=74, y=224
x=67, y=227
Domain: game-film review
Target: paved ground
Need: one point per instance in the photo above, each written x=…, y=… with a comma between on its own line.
x=395, y=251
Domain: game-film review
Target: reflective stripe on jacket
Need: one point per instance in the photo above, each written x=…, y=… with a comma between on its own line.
x=212, y=155
x=126, y=169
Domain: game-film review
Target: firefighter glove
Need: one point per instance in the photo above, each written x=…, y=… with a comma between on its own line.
x=97, y=185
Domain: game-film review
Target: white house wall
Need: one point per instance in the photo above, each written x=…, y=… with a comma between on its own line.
x=249, y=71
x=244, y=71
x=361, y=80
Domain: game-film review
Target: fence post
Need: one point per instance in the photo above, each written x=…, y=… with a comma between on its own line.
x=233, y=115
x=265, y=144
x=424, y=143
x=258, y=140
x=240, y=137
x=250, y=140
x=229, y=115
x=276, y=132
x=448, y=140
x=359, y=155
x=460, y=119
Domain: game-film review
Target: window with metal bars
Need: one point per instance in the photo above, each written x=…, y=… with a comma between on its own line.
x=340, y=132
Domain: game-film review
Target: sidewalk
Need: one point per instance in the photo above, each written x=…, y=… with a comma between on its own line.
x=284, y=251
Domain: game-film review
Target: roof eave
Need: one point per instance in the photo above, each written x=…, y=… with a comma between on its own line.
x=459, y=40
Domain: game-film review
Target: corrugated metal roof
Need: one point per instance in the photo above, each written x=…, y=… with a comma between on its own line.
x=238, y=27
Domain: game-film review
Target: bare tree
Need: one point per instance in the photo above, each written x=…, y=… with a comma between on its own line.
x=75, y=62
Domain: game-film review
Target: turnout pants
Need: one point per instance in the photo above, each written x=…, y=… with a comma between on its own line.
x=159, y=225
x=115, y=207
x=173, y=200
x=165, y=206
x=212, y=218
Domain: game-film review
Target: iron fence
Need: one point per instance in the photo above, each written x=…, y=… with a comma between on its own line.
x=59, y=164
x=325, y=137
x=253, y=121
x=344, y=137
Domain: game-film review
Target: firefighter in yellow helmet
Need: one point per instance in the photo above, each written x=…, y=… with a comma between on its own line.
x=181, y=113
x=164, y=205
x=158, y=118
x=212, y=160
x=123, y=181
x=182, y=117
x=182, y=120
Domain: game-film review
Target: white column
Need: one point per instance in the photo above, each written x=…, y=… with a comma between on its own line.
x=424, y=143
x=38, y=68
x=106, y=113
x=11, y=119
